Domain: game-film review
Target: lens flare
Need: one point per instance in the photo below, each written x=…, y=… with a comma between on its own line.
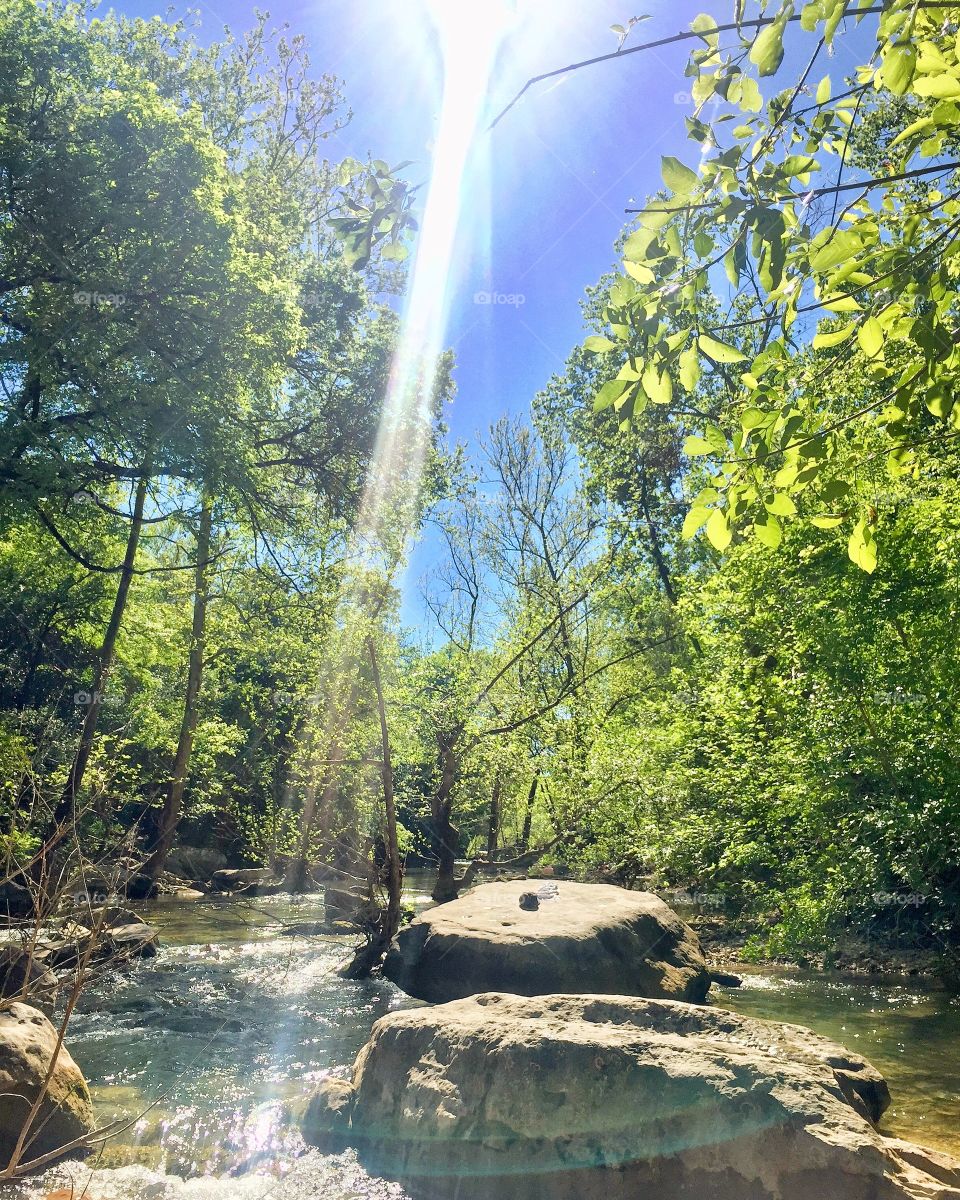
x=469, y=38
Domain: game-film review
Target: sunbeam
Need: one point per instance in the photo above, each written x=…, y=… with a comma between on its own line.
x=469, y=37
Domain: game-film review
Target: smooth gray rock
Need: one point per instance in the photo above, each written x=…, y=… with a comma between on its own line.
x=586, y=938
x=504, y=1097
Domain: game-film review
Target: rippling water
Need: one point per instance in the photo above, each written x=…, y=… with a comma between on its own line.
x=203, y=1048
x=909, y=1032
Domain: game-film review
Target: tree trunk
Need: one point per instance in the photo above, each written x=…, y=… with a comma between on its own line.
x=446, y=836
x=528, y=813
x=298, y=870
x=493, y=829
x=370, y=955
x=173, y=805
x=65, y=811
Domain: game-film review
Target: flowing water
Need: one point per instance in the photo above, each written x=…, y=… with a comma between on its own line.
x=909, y=1032
x=203, y=1048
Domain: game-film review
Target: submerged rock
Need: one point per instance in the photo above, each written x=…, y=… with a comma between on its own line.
x=348, y=903
x=118, y=936
x=28, y=1045
x=24, y=974
x=616, y=1098
x=314, y=1177
x=232, y=879
x=585, y=937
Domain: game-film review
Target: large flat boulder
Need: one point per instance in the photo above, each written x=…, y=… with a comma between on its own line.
x=616, y=1098
x=28, y=1046
x=580, y=937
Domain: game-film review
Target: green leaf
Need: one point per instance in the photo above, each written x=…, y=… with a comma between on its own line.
x=914, y=127
x=753, y=418
x=842, y=246
x=836, y=489
x=941, y=87
x=832, y=337
x=862, y=548
x=939, y=400
x=750, y=98
x=824, y=90
x=638, y=272
x=897, y=68
x=636, y=246
x=597, y=344
x=719, y=351
x=706, y=26
x=689, y=368
x=609, y=394
x=766, y=53
x=657, y=214
x=870, y=336
x=718, y=529
x=798, y=164
x=694, y=446
x=693, y=521
x=826, y=522
x=841, y=304
x=658, y=385
x=768, y=531
x=780, y=505
x=677, y=177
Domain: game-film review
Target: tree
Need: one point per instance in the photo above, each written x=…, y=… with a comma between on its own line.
x=519, y=599
x=173, y=805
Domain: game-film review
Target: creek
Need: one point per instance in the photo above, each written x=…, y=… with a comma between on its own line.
x=202, y=1048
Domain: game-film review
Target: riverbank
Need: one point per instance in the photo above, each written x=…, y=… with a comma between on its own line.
x=729, y=946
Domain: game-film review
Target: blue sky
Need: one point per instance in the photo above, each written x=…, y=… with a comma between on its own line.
x=549, y=184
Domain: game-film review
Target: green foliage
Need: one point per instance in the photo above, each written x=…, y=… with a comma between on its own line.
x=825, y=281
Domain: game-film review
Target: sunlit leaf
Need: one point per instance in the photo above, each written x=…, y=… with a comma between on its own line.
x=766, y=53
x=720, y=352
x=677, y=177
x=897, y=67
x=870, y=336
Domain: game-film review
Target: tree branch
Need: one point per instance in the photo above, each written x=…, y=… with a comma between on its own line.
x=686, y=35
